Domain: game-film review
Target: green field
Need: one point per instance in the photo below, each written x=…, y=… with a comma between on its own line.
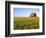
x=21, y=23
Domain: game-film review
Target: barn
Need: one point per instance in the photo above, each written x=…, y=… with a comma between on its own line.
x=33, y=15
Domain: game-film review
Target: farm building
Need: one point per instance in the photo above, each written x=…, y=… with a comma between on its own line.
x=33, y=15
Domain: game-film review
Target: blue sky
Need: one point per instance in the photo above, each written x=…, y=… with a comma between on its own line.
x=25, y=12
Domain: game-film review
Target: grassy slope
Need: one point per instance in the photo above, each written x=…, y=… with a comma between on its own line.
x=26, y=23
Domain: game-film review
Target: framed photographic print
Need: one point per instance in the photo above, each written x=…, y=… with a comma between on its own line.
x=24, y=18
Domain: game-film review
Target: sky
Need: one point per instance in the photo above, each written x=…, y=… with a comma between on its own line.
x=25, y=12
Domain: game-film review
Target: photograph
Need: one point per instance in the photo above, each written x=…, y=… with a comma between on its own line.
x=26, y=18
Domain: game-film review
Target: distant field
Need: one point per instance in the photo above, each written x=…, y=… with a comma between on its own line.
x=21, y=23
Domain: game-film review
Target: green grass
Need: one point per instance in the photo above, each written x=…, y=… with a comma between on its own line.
x=21, y=23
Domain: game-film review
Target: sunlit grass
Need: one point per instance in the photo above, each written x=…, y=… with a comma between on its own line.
x=21, y=23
